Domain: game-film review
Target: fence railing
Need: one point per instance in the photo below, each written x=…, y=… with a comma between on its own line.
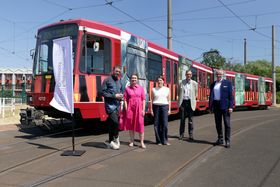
x=8, y=106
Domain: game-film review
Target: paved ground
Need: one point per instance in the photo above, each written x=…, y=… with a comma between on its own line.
x=9, y=123
x=253, y=159
x=10, y=119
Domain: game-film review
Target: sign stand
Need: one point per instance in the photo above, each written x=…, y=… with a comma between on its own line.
x=63, y=93
x=73, y=152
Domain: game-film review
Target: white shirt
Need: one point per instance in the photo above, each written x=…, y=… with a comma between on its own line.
x=160, y=95
x=187, y=91
x=217, y=92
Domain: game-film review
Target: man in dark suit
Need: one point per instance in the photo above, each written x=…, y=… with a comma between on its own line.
x=221, y=103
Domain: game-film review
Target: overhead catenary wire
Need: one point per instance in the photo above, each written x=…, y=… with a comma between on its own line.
x=67, y=9
x=238, y=17
x=204, y=18
x=80, y=7
x=13, y=53
x=180, y=42
x=151, y=28
x=184, y=12
x=135, y=19
x=244, y=22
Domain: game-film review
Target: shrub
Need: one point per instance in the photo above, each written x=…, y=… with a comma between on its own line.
x=278, y=97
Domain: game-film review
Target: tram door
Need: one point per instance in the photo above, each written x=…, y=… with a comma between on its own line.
x=239, y=89
x=184, y=65
x=133, y=56
x=171, y=80
x=261, y=85
x=254, y=90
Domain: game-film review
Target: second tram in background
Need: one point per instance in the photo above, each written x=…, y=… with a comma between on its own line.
x=97, y=48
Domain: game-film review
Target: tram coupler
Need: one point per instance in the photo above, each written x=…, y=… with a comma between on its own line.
x=31, y=116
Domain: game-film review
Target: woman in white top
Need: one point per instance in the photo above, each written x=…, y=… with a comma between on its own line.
x=161, y=108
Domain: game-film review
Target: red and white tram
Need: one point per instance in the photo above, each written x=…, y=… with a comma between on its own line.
x=97, y=48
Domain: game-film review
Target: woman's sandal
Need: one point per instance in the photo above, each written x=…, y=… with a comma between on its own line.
x=143, y=146
x=130, y=144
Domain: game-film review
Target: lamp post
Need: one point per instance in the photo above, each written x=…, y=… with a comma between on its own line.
x=2, y=84
x=23, y=91
x=169, y=24
x=273, y=68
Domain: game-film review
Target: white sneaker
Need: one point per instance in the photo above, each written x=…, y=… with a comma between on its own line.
x=107, y=144
x=113, y=145
x=117, y=141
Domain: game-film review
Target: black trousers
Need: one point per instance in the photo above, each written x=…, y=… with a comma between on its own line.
x=219, y=116
x=113, y=125
x=186, y=109
x=161, y=123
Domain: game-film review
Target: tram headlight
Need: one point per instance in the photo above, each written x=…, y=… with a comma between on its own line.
x=30, y=99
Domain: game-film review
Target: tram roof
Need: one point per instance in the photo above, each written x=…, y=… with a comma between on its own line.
x=112, y=30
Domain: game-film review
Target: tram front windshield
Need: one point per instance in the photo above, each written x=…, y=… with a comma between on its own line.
x=43, y=63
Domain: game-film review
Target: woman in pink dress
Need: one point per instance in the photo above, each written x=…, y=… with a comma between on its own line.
x=134, y=110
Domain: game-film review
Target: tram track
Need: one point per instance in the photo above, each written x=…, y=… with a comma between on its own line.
x=191, y=164
x=239, y=119
x=81, y=166
x=77, y=129
x=2, y=146
x=41, y=156
x=206, y=152
x=172, y=176
x=41, y=136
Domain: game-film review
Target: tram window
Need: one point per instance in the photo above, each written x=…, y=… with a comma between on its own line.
x=167, y=71
x=154, y=67
x=247, y=85
x=208, y=80
x=98, y=55
x=136, y=61
x=43, y=59
x=42, y=66
x=202, y=79
x=231, y=79
x=267, y=87
x=194, y=73
x=175, y=74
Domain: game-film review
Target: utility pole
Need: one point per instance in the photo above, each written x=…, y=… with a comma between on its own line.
x=169, y=25
x=245, y=51
x=273, y=68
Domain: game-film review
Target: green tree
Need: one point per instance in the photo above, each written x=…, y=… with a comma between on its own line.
x=259, y=67
x=278, y=78
x=213, y=59
x=278, y=84
x=238, y=68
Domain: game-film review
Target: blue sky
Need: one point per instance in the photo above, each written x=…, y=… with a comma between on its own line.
x=198, y=25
